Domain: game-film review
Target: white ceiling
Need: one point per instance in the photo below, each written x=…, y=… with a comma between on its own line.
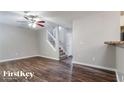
x=11, y=18
x=60, y=17
x=64, y=17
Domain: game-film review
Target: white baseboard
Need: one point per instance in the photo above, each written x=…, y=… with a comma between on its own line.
x=6, y=60
x=49, y=57
x=120, y=76
x=95, y=66
x=117, y=77
x=18, y=58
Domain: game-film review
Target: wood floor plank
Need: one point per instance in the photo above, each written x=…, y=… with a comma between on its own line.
x=47, y=70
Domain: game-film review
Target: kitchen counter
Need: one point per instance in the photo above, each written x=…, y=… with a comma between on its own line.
x=119, y=54
x=114, y=42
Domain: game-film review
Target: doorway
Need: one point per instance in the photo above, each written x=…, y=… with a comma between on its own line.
x=65, y=44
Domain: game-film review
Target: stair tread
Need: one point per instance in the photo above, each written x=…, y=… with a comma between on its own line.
x=62, y=54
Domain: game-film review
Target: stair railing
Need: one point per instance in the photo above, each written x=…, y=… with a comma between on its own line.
x=52, y=38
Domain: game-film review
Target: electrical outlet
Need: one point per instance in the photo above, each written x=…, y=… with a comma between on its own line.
x=93, y=59
x=16, y=54
x=81, y=43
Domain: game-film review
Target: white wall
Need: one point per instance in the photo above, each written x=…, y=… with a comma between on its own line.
x=69, y=42
x=89, y=34
x=120, y=62
x=45, y=48
x=120, y=58
x=16, y=42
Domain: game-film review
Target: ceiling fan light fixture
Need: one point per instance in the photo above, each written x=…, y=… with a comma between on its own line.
x=30, y=24
x=34, y=25
x=37, y=19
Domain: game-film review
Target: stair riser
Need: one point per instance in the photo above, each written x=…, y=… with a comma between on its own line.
x=63, y=58
x=62, y=54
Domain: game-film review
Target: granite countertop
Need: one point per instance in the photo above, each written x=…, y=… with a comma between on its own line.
x=114, y=42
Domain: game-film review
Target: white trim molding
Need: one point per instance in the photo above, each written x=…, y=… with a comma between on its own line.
x=117, y=77
x=18, y=58
x=120, y=76
x=49, y=57
x=95, y=66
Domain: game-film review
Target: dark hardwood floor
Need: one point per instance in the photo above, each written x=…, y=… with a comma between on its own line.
x=46, y=70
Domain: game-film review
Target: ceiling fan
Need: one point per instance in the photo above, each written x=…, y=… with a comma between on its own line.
x=32, y=20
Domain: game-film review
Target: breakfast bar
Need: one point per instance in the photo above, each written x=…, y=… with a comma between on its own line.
x=119, y=57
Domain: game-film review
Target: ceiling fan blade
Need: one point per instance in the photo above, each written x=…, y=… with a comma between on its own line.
x=26, y=17
x=41, y=21
x=40, y=25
